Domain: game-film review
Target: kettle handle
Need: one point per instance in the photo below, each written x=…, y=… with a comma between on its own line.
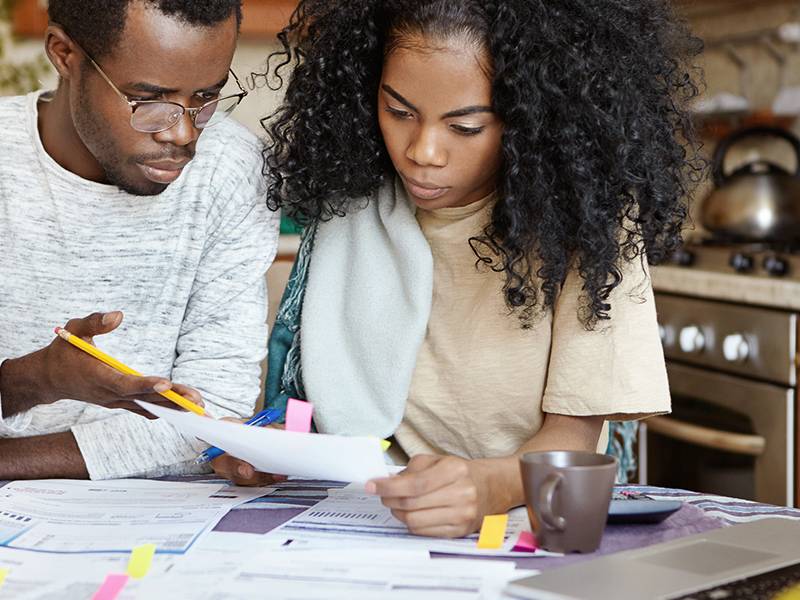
x=718, y=162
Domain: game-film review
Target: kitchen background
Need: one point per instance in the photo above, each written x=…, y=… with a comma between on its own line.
x=728, y=303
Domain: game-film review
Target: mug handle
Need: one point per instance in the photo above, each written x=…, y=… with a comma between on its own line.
x=547, y=494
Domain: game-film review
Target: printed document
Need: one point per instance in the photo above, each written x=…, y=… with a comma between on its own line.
x=310, y=455
x=354, y=518
x=112, y=516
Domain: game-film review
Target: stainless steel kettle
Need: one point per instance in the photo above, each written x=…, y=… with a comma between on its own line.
x=759, y=201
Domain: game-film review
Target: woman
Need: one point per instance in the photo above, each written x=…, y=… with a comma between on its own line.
x=480, y=183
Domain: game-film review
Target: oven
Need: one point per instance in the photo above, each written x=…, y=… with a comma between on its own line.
x=732, y=371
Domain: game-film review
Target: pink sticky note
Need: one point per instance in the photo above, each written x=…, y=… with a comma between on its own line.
x=526, y=542
x=298, y=415
x=111, y=587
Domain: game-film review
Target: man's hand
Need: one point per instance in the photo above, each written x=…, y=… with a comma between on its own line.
x=61, y=371
x=439, y=496
x=241, y=472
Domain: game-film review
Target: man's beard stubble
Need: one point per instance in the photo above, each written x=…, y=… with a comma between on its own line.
x=105, y=151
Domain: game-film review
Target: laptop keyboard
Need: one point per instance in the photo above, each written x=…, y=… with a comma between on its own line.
x=765, y=585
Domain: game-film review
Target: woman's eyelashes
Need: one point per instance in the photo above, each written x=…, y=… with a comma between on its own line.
x=399, y=113
x=464, y=130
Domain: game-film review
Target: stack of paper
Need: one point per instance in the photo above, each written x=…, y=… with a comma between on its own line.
x=353, y=517
x=280, y=573
x=347, y=546
x=112, y=516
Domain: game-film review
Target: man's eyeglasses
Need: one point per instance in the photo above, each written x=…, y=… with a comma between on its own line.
x=155, y=116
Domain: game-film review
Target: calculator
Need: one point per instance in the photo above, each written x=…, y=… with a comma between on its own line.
x=633, y=508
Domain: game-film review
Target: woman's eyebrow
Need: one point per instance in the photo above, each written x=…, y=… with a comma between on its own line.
x=460, y=112
x=396, y=95
x=467, y=110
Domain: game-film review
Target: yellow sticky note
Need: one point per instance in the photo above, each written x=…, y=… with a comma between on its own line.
x=792, y=593
x=3, y=575
x=385, y=444
x=493, y=532
x=139, y=562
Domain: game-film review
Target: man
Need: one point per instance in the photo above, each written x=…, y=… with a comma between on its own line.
x=102, y=212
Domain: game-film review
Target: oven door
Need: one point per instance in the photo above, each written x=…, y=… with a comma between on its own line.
x=726, y=435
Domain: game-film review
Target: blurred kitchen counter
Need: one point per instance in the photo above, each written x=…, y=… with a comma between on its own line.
x=763, y=291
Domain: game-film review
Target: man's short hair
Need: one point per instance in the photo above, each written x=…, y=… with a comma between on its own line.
x=98, y=24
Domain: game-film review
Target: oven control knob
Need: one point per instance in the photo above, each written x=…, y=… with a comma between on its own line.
x=691, y=339
x=735, y=348
x=666, y=334
x=776, y=266
x=683, y=257
x=741, y=263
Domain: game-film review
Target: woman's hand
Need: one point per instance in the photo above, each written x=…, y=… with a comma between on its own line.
x=440, y=496
x=241, y=472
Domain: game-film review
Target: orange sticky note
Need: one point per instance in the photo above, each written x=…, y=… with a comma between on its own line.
x=111, y=587
x=298, y=415
x=140, y=560
x=493, y=532
x=526, y=542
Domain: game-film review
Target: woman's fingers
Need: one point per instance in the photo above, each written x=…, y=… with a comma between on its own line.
x=451, y=521
x=435, y=496
x=420, y=462
x=421, y=477
x=455, y=494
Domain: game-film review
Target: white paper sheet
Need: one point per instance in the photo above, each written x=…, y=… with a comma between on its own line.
x=40, y=576
x=312, y=455
x=353, y=517
x=227, y=566
x=137, y=493
x=360, y=574
x=68, y=516
x=290, y=578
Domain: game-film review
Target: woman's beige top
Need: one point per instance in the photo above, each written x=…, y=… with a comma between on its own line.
x=482, y=383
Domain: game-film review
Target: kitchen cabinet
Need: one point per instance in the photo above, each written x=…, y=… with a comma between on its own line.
x=266, y=17
x=29, y=18
x=261, y=18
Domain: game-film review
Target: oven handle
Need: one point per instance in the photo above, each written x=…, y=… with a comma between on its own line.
x=738, y=443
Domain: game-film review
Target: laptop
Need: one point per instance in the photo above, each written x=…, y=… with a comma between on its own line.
x=761, y=555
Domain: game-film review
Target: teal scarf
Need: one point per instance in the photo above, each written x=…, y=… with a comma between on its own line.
x=284, y=377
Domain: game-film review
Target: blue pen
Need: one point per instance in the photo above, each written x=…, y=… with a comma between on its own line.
x=265, y=417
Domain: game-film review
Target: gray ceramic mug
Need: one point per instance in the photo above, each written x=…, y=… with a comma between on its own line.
x=567, y=494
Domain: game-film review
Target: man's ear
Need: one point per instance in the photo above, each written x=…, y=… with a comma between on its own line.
x=63, y=53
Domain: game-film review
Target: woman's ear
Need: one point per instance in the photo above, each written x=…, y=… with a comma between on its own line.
x=63, y=53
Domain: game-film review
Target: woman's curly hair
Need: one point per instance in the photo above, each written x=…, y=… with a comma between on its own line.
x=598, y=152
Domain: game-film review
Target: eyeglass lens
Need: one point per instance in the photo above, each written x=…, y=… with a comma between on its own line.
x=153, y=117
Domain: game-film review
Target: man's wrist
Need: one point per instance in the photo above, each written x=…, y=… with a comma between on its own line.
x=55, y=455
x=21, y=384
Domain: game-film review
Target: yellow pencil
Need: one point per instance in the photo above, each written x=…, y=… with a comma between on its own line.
x=114, y=363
